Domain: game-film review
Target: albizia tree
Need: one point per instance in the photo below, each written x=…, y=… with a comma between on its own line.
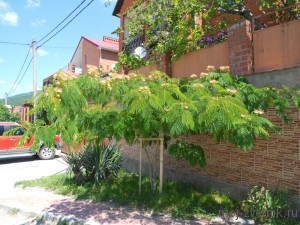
x=136, y=106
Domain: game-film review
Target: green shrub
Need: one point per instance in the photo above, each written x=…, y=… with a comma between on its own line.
x=100, y=161
x=94, y=163
x=74, y=166
x=266, y=206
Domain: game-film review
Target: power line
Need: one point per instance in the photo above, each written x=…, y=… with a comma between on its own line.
x=12, y=43
x=64, y=25
x=57, y=47
x=15, y=87
x=11, y=90
x=62, y=21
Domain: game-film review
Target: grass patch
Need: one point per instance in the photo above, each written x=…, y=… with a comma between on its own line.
x=178, y=199
x=13, y=211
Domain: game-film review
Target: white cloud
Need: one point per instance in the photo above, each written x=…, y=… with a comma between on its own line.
x=10, y=18
x=33, y=3
x=38, y=23
x=2, y=82
x=7, y=16
x=1, y=60
x=42, y=52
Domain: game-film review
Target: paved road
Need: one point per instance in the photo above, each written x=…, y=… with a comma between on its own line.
x=18, y=168
x=29, y=167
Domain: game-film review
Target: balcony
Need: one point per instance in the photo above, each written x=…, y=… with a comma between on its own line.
x=136, y=42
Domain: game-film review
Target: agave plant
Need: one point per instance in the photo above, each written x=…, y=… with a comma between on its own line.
x=100, y=162
x=74, y=165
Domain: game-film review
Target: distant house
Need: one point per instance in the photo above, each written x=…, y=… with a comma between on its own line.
x=24, y=112
x=101, y=54
x=48, y=80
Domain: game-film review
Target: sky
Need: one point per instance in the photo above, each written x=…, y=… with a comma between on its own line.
x=21, y=21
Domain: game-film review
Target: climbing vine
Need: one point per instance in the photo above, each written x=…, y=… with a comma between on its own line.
x=176, y=27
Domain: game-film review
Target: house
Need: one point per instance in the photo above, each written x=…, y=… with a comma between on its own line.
x=101, y=54
x=247, y=51
x=267, y=55
x=24, y=112
x=70, y=71
x=91, y=52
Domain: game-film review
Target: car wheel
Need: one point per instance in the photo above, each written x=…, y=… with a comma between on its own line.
x=46, y=153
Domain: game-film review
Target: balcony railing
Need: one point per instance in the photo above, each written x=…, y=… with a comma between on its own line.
x=136, y=42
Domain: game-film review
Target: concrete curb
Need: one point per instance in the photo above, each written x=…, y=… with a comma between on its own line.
x=59, y=219
x=38, y=218
x=14, y=212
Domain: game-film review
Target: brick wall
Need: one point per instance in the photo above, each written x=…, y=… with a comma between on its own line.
x=197, y=61
x=24, y=112
x=90, y=55
x=126, y=5
x=165, y=64
x=108, y=59
x=240, y=38
x=272, y=163
x=240, y=48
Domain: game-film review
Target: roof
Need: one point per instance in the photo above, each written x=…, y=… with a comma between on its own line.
x=103, y=44
x=109, y=44
x=118, y=7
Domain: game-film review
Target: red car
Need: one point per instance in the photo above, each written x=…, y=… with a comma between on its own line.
x=9, y=144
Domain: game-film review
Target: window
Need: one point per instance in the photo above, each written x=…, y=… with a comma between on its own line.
x=20, y=132
x=85, y=59
x=1, y=130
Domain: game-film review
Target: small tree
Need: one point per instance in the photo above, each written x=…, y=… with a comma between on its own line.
x=6, y=115
x=136, y=106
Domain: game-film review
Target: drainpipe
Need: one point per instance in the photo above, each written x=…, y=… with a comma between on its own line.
x=252, y=44
x=100, y=57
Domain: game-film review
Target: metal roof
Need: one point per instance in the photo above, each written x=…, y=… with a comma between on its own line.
x=107, y=45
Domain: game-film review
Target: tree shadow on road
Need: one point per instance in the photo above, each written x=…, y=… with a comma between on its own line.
x=106, y=212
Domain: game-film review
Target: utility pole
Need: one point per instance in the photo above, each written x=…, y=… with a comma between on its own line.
x=6, y=95
x=34, y=74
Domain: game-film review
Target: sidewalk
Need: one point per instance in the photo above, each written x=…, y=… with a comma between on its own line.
x=30, y=206
x=57, y=208
x=49, y=207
